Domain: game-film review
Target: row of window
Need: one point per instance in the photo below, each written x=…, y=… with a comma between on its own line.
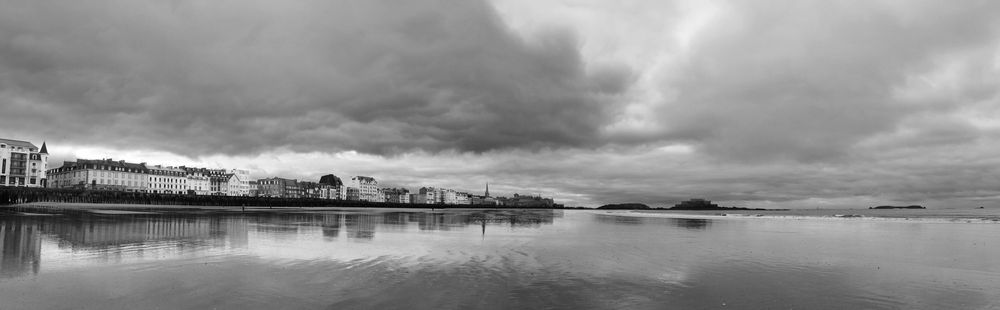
x=19, y=148
x=167, y=180
x=16, y=181
x=132, y=183
x=111, y=168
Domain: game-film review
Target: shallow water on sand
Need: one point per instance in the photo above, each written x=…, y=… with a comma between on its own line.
x=498, y=259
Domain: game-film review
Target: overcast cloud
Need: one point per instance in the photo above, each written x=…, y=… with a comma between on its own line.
x=755, y=103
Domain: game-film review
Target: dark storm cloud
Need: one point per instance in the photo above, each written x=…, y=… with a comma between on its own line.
x=792, y=103
x=247, y=76
x=807, y=80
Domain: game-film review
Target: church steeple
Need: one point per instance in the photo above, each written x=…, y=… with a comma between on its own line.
x=44, y=150
x=487, y=189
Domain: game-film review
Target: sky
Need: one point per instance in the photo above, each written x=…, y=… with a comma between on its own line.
x=785, y=103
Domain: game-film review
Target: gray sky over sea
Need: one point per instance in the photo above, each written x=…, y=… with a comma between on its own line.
x=795, y=104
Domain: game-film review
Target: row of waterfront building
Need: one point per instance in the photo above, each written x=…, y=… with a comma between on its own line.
x=24, y=164
x=365, y=188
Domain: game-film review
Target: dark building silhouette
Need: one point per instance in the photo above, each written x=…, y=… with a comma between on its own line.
x=331, y=180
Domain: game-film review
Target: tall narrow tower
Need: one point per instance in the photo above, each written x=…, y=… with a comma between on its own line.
x=43, y=155
x=487, y=189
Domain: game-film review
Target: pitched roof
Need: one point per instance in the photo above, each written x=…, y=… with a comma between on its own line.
x=222, y=177
x=113, y=163
x=44, y=149
x=17, y=143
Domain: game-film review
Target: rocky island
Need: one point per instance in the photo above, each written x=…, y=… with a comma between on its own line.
x=624, y=206
x=897, y=207
x=703, y=205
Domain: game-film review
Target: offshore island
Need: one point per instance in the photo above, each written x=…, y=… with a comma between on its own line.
x=689, y=205
x=897, y=207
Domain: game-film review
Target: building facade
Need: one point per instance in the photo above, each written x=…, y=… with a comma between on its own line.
x=352, y=193
x=428, y=195
x=219, y=184
x=198, y=180
x=324, y=191
x=23, y=164
x=278, y=187
x=396, y=195
x=448, y=196
x=167, y=180
x=367, y=188
x=239, y=185
x=462, y=198
x=254, y=188
x=109, y=174
x=318, y=190
x=100, y=174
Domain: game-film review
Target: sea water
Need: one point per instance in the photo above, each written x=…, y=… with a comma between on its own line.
x=496, y=259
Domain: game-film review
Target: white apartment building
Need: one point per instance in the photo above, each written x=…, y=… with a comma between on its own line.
x=233, y=182
x=167, y=180
x=104, y=174
x=198, y=180
x=367, y=189
x=23, y=164
x=240, y=184
x=448, y=196
x=108, y=174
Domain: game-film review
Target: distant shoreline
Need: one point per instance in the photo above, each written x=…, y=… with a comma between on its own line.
x=718, y=209
x=22, y=195
x=828, y=215
x=85, y=206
